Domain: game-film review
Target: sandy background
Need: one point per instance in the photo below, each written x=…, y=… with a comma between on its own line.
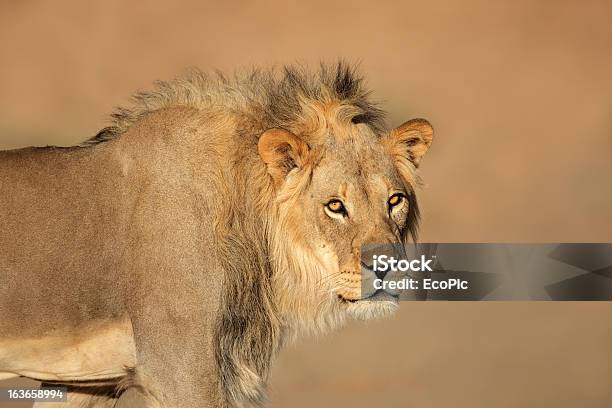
x=520, y=95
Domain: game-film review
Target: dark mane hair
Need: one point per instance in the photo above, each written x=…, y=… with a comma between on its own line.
x=274, y=97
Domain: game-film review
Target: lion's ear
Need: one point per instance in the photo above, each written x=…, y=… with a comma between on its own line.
x=282, y=151
x=411, y=140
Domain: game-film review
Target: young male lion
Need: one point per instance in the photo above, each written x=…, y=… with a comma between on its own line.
x=175, y=252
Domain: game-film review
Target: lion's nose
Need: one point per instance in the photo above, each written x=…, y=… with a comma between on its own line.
x=367, y=260
x=371, y=251
x=380, y=274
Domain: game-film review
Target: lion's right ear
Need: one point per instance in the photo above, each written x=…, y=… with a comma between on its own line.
x=410, y=140
x=282, y=151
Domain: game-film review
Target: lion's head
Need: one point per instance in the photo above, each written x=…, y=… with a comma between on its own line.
x=337, y=189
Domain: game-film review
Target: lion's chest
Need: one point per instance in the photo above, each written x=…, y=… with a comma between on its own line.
x=98, y=352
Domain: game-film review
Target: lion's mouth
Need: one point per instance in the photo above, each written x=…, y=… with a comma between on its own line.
x=379, y=295
x=343, y=299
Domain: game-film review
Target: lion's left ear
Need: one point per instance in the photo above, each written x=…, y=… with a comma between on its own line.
x=282, y=151
x=410, y=140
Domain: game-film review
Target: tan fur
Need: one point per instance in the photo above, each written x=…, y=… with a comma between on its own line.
x=96, y=352
x=175, y=253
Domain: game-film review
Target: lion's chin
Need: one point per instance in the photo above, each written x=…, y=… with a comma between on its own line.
x=380, y=304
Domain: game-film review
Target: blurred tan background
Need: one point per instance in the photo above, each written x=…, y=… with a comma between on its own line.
x=520, y=95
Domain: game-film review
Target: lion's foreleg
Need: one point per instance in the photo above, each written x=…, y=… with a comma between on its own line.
x=176, y=368
x=174, y=335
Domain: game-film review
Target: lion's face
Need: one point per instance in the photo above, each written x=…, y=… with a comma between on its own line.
x=349, y=191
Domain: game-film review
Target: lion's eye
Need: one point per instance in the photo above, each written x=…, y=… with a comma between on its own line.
x=395, y=200
x=336, y=207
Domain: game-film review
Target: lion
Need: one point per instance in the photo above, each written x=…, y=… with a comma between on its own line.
x=167, y=260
